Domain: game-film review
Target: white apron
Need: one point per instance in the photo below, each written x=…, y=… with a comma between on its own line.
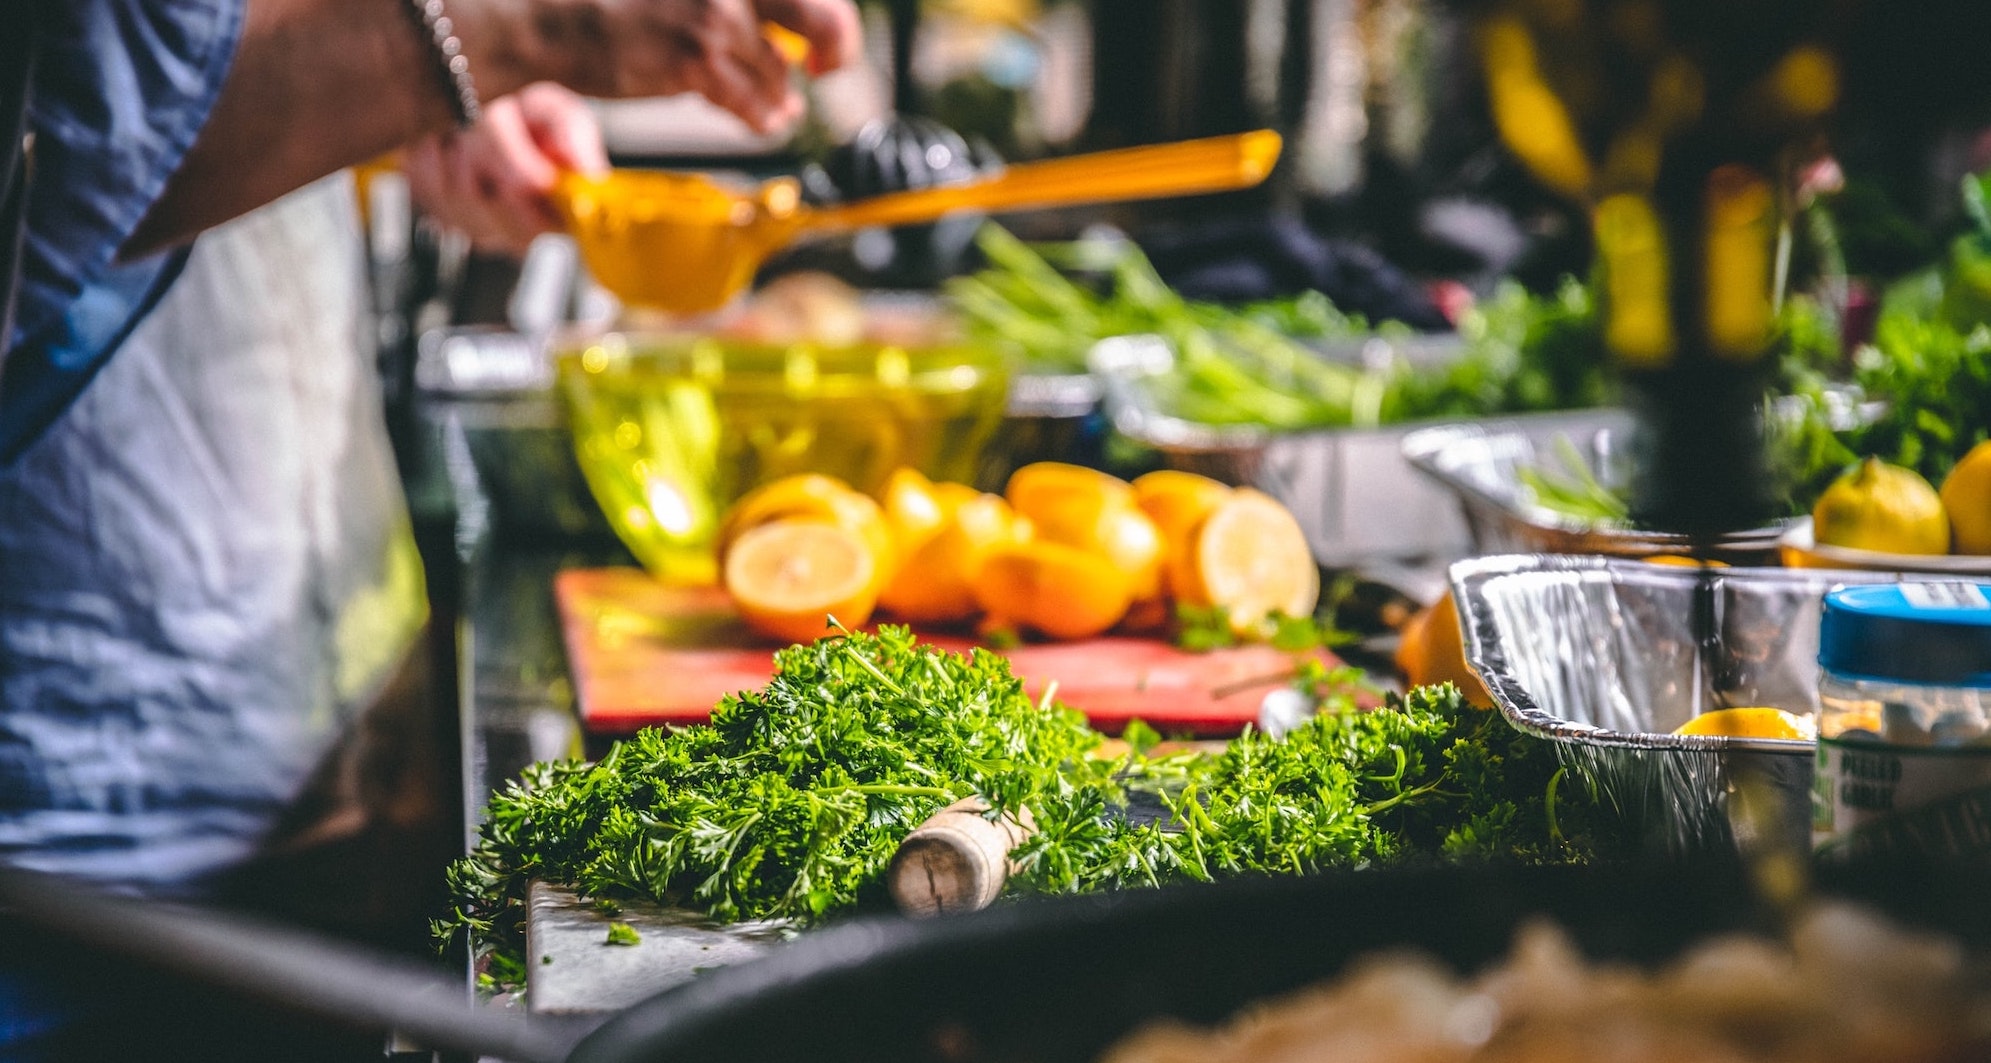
x=206, y=567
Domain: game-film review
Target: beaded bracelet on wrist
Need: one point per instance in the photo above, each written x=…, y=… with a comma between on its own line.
x=450, y=60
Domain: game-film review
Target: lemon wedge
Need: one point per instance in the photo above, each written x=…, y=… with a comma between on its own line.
x=1751, y=722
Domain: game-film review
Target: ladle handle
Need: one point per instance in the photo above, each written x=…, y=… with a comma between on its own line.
x=1213, y=164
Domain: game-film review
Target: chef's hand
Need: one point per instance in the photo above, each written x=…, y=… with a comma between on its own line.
x=494, y=181
x=716, y=48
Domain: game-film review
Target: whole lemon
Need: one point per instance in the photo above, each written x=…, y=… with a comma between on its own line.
x=1433, y=650
x=1967, y=496
x=1882, y=507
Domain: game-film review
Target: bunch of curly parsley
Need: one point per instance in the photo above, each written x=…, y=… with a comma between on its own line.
x=791, y=802
x=1425, y=776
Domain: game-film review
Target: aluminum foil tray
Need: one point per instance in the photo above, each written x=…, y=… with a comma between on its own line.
x=1606, y=657
x=1356, y=495
x=1481, y=464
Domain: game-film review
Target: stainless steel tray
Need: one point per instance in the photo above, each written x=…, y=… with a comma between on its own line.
x=1606, y=657
x=1356, y=495
x=1481, y=465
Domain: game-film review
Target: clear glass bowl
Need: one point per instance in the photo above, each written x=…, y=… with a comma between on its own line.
x=671, y=430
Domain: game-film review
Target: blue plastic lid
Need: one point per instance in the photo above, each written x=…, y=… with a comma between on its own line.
x=1928, y=633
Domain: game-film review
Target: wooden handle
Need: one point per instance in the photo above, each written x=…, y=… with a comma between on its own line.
x=956, y=861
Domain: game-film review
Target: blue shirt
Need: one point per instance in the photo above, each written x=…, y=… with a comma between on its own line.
x=121, y=89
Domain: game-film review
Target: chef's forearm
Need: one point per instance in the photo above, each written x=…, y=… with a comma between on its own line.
x=318, y=85
x=322, y=84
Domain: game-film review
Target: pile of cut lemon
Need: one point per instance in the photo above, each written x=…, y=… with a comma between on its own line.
x=1066, y=552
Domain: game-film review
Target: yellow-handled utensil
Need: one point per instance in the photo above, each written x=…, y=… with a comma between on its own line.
x=686, y=244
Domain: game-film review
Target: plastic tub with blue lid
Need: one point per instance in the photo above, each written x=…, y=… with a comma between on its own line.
x=1904, y=751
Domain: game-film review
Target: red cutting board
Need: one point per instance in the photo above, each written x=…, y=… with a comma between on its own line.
x=644, y=653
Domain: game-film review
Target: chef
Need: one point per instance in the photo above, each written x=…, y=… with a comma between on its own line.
x=209, y=596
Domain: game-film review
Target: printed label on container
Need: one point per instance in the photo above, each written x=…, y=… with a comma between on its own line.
x=1869, y=799
x=1945, y=596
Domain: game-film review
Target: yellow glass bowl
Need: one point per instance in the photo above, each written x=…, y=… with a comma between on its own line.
x=671, y=430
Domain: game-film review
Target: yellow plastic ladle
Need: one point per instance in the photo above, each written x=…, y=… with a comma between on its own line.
x=685, y=243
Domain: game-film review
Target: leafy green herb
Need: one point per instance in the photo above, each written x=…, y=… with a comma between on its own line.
x=499, y=968
x=1232, y=366
x=1524, y=352
x=1299, y=634
x=1571, y=488
x=1140, y=737
x=1024, y=303
x=1936, y=380
x=620, y=934
x=792, y=801
x=1424, y=777
x=1930, y=359
x=1201, y=629
x=1966, y=271
x=1252, y=364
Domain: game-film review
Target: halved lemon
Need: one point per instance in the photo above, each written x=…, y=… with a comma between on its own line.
x=816, y=497
x=1059, y=590
x=805, y=494
x=1251, y=558
x=787, y=577
x=935, y=585
x=913, y=508
x=1095, y=512
x=1751, y=721
x=1048, y=486
x=1166, y=490
x=1178, y=502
